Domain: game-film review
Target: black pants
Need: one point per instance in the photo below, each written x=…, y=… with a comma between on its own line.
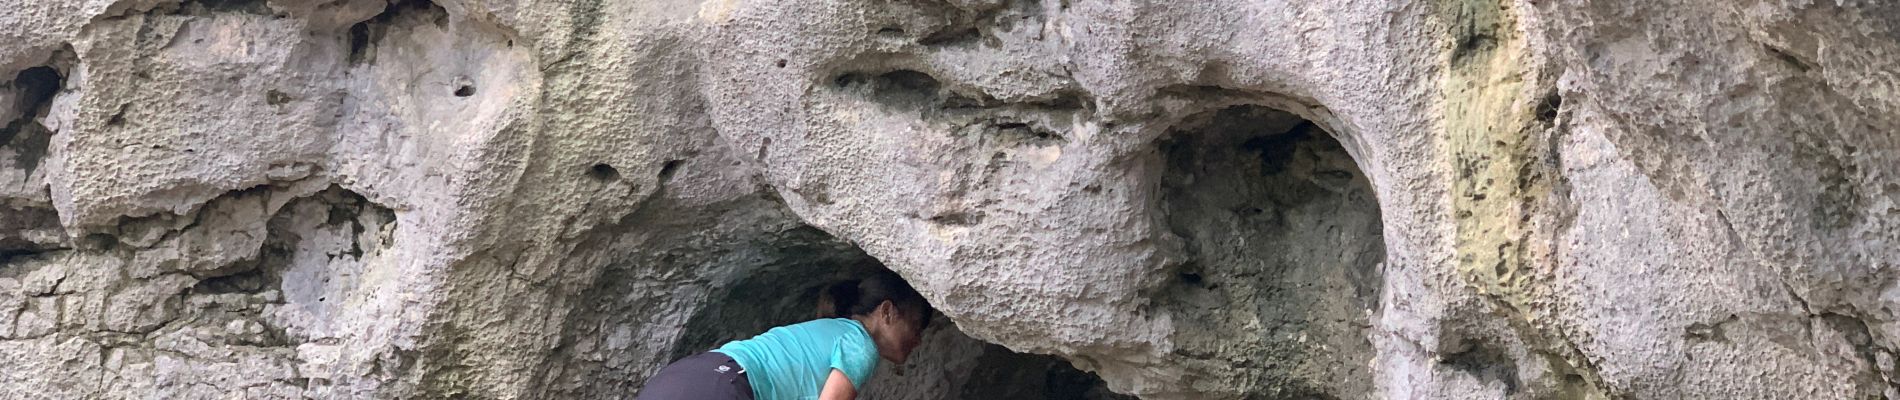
x=708, y=376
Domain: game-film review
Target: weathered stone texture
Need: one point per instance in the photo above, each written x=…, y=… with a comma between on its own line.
x=520, y=199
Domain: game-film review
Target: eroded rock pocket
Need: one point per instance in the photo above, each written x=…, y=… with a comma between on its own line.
x=1283, y=242
x=948, y=365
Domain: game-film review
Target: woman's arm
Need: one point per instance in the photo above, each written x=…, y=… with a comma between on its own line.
x=838, y=387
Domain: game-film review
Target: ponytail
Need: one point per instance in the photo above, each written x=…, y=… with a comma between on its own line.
x=836, y=300
x=858, y=297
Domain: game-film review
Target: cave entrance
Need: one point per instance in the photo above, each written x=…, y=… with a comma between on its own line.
x=948, y=364
x=1283, y=240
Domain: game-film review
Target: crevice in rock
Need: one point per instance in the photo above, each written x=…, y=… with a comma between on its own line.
x=958, y=219
x=1486, y=362
x=1855, y=331
x=954, y=36
x=1716, y=331
x=1799, y=65
x=669, y=168
x=260, y=7
x=25, y=136
x=954, y=24
x=248, y=281
x=898, y=88
x=1282, y=230
x=1023, y=132
x=28, y=224
x=208, y=7
x=17, y=236
x=972, y=116
x=364, y=36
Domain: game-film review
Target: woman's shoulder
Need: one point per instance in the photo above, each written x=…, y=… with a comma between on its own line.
x=831, y=324
x=827, y=329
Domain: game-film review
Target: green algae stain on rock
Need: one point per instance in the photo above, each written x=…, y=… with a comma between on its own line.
x=1487, y=133
x=1498, y=109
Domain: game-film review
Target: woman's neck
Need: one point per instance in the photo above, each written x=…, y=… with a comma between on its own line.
x=869, y=326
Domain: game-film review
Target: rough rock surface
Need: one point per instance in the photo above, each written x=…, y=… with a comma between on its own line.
x=516, y=199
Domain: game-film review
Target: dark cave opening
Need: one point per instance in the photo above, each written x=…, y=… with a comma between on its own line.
x=27, y=229
x=948, y=365
x=26, y=137
x=780, y=292
x=1283, y=240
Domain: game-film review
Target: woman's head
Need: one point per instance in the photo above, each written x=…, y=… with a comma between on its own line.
x=893, y=312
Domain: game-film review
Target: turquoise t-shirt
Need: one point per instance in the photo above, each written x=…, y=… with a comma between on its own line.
x=792, y=362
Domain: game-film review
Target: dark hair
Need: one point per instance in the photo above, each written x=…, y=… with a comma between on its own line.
x=858, y=297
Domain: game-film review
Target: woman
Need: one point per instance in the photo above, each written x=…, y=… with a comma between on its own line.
x=826, y=359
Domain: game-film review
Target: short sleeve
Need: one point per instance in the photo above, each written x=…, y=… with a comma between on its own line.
x=856, y=357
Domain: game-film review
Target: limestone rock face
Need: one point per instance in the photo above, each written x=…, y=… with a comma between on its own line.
x=516, y=199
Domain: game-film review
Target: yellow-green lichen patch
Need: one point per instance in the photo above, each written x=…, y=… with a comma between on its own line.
x=1487, y=123
x=1496, y=112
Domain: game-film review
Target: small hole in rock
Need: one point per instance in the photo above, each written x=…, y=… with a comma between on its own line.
x=465, y=91
x=1191, y=278
x=780, y=63
x=603, y=172
x=671, y=167
x=846, y=80
x=1547, y=107
x=276, y=98
x=37, y=85
x=359, y=43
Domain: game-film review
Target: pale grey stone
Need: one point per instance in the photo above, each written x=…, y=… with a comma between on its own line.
x=515, y=199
